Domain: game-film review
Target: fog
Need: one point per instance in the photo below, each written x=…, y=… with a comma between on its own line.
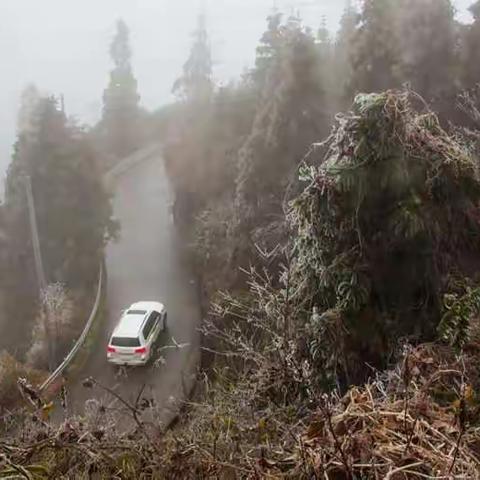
x=62, y=46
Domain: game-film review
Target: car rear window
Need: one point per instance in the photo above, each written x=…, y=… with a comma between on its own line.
x=136, y=312
x=125, y=342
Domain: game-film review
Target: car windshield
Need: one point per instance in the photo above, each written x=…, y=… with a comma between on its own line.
x=125, y=342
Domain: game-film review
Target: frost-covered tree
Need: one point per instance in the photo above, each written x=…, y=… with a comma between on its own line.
x=268, y=50
x=291, y=114
x=471, y=50
x=374, y=50
x=388, y=223
x=55, y=322
x=342, y=66
x=326, y=53
x=427, y=33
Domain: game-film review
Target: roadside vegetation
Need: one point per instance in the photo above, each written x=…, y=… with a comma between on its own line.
x=40, y=320
x=338, y=255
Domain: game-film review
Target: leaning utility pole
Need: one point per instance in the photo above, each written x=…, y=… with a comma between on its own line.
x=42, y=282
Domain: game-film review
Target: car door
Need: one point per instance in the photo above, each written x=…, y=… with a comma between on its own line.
x=157, y=326
x=151, y=329
x=147, y=332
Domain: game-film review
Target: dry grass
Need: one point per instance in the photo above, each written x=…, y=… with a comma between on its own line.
x=419, y=420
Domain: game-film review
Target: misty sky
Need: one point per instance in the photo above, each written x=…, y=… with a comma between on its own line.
x=62, y=46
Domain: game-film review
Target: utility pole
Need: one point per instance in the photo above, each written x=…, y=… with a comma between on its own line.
x=42, y=282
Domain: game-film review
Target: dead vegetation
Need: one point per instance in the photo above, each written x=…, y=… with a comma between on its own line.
x=10, y=371
x=419, y=420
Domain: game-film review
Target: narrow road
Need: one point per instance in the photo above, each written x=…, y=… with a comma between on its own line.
x=146, y=264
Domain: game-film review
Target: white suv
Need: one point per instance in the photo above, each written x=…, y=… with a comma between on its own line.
x=134, y=336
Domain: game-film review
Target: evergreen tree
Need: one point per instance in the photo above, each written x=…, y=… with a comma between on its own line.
x=196, y=83
x=268, y=50
x=374, y=49
x=348, y=26
x=290, y=115
x=324, y=42
x=327, y=65
x=4, y=277
x=428, y=42
x=471, y=50
x=72, y=209
x=342, y=53
x=120, y=121
x=188, y=148
x=387, y=225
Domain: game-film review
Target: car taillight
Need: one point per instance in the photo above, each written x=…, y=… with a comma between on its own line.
x=111, y=350
x=141, y=350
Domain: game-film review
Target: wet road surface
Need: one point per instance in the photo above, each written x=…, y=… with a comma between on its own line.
x=145, y=264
